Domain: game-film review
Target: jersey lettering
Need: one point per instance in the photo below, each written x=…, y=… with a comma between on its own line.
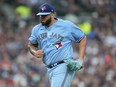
x=53, y=35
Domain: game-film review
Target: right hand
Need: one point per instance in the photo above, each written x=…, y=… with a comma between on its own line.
x=39, y=53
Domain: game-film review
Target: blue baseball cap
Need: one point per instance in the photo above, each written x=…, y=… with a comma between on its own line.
x=45, y=9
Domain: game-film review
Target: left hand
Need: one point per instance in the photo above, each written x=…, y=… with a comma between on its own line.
x=74, y=65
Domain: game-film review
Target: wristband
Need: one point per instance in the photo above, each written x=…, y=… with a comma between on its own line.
x=33, y=51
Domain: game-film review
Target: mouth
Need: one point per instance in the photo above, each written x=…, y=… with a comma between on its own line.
x=42, y=21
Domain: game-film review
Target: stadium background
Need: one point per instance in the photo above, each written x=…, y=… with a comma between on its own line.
x=97, y=18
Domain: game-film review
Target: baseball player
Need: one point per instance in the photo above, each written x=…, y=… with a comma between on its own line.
x=52, y=40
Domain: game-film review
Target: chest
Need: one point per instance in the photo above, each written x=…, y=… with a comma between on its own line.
x=52, y=34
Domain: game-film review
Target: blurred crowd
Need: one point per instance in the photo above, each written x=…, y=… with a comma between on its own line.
x=97, y=18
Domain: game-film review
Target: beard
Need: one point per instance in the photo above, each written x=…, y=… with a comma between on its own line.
x=47, y=22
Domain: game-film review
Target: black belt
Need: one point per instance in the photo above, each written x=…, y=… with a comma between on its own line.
x=55, y=64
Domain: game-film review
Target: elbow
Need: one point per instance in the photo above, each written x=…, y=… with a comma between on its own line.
x=84, y=40
x=29, y=44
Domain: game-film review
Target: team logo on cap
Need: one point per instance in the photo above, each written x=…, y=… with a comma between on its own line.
x=43, y=8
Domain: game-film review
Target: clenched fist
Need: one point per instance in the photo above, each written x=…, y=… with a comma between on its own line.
x=39, y=53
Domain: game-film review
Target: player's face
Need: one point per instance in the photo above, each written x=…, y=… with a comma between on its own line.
x=46, y=19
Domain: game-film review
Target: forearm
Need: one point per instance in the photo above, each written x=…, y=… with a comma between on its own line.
x=32, y=48
x=82, y=48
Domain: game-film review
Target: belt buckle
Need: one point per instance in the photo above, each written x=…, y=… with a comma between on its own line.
x=55, y=64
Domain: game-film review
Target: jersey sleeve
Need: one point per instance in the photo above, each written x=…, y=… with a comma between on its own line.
x=33, y=37
x=76, y=33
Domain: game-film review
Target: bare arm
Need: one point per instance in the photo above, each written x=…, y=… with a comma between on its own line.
x=33, y=50
x=82, y=48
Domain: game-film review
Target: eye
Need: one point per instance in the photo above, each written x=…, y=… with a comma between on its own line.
x=43, y=15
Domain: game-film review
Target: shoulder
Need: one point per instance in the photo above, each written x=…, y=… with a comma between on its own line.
x=66, y=22
x=69, y=25
x=69, y=22
x=36, y=27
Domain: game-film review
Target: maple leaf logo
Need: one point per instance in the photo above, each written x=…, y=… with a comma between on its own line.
x=58, y=45
x=43, y=8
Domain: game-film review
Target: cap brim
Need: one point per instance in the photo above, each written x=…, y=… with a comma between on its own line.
x=45, y=13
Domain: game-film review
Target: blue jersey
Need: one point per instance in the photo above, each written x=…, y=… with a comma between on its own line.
x=56, y=40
